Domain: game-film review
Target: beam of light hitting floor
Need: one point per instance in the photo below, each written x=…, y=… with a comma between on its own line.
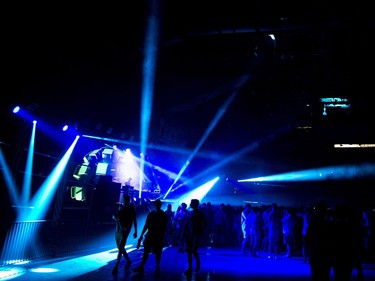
x=149, y=65
x=43, y=197
x=11, y=272
x=319, y=174
x=220, y=113
x=198, y=193
x=91, y=263
x=9, y=180
x=27, y=179
x=40, y=204
x=19, y=241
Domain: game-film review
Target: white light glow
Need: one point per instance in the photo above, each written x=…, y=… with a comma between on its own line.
x=354, y=145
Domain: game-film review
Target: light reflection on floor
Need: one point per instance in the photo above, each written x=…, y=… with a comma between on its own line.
x=92, y=262
x=11, y=272
x=217, y=265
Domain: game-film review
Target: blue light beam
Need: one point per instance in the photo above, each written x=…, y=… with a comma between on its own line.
x=320, y=174
x=27, y=179
x=43, y=198
x=149, y=64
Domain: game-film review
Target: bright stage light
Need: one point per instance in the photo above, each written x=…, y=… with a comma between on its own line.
x=198, y=193
x=354, y=145
x=16, y=109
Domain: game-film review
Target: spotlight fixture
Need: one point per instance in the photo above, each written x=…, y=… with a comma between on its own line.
x=16, y=109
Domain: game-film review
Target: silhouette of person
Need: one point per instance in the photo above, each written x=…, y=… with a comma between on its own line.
x=306, y=216
x=179, y=221
x=245, y=226
x=192, y=231
x=219, y=224
x=154, y=231
x=169, y=232
x=289, y=221
x=256, y=228
x=274, y=230
x=318, y=243
x=125, y=217
x=346, y=242
x=206, y=208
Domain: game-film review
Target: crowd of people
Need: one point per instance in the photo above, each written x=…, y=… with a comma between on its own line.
x=340, y=238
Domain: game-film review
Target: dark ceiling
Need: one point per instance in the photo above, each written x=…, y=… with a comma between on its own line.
x=85, y=65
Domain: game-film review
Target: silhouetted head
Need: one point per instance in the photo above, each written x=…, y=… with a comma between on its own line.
x=194, y=203
x=157, y=203
x=126, y=200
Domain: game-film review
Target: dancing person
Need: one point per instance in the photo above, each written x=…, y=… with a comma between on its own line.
x=274, y=230
x=219, y=225
x=319, y=243
x=125, y=218
x=347, y=243
x=192, y=231
x=169, y=232
x=289, y=221
x=306, y=216
x=256, y=231
x=179, y=220
x=154, y=231
x=245, y=226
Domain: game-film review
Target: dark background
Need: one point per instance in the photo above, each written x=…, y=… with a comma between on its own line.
x=83, y=65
